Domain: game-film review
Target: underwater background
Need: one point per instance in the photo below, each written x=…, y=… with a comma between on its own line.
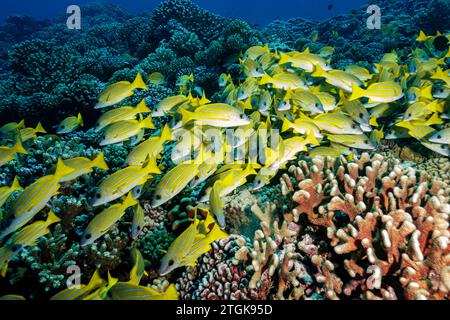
x=342, y=217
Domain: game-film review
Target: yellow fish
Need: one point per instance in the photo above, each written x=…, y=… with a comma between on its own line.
x=151, y=147
x=156, y=78
x=123, y=181
x=6, y=255
x=77, y=293
x=128, y=291
x=11, y=127
x=26, y=134
x=166, y=105
x=255, y=51
x=285, y=81
x=173, y=182
x=138, y=221
x=304, y=60
x=6, y=192
x=30, y=234
x=124, y=130
x=216, y=115
x=121, y=114
x=70, y=124
x=217, y=202
x=383, y=92
x=35, y=197
x=115, y=93
x=105, y=220
x=358, y=141
x=82, y=166
x=361, y=73
x=340, y=79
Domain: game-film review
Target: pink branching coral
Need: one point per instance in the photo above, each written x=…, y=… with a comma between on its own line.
x=388, y=226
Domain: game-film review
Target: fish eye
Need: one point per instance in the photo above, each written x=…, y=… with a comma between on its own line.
x=409, y=115
x=361, y=115
x=171, y=262
x=439, y=136
x=442, y=146
x=98, y=195
x=241, y=116
x=88, y=236
x=317, y=105
x=138, y=190
x=366, y=141
x=138, y=228
x=353, y=126
x=158, y=197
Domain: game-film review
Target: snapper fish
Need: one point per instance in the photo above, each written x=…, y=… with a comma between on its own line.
x=338, y=78
x=6, y=192
x=217, y=202
x=361, y=73
x=335, y=123
x=123, y=181
x=121, y=114
x=156, y=78
x=255, y=52
x=81, y=291
x=115, y=93
x=34, y=198
x=7, y=253
x=151, y=147
x=26, y=134
x=124, y=130
x=216, y=115
x=82, y=166
x=138, y=223
x=383, y=92
x=173, y=182
x=105, y=220
x=304, y=60
x=285, y=81
x=129, y=292
x=11, y=127
x=442, y=137
x=307, y=100
x=28, y=235
x=166, y=105
x=359, y=141
x=189, y=246
x=70, y=124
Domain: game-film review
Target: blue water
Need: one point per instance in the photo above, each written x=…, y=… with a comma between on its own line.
x=257, y=12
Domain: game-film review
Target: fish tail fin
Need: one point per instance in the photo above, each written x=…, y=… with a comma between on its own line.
x=357, y=92
x=426, y=93
x=18, y=148
x=99, y=162
x=148, y=123
x=129, y=201
x=21, y=124
x=311, y=138
x=139, y=83
x=166, y=133
x=80, y=120
x=265, y=79
x=52, y=218
x=422, y=36
x=284, y=58
x=342, y=97
x=16, y=185
x=286, y=125
x=434, y=119
x=186, y=116
x=319, y=72
x=142, y=107
x=40, y=128
x=61, y=169
x=170, y=294
x=304, y=117
x=96, y=281
x=151, y=165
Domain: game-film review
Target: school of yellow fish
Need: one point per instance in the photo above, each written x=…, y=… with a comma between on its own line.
x=316, y=109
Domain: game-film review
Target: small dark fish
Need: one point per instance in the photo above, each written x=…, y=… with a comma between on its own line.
x=330, y=7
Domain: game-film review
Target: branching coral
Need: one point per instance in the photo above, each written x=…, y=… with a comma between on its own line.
x=388, y=226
